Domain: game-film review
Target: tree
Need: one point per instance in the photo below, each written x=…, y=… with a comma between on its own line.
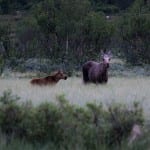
x=9, y=6
x=97, y=31
x=70, y=17
x=5, y=39
x=45, y=15
x=135, y=32
x=59, y=21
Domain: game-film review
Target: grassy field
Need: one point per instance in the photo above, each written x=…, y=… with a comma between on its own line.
x=118, y=89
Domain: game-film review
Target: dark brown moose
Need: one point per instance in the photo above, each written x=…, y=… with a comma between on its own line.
x=95, y=72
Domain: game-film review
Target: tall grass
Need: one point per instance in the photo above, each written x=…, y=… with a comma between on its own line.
x=65, y=126
x=124, y=90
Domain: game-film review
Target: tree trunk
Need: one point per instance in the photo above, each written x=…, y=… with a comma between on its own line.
x=67, y=44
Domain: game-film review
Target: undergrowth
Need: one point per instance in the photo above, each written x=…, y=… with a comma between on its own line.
x=64, y=126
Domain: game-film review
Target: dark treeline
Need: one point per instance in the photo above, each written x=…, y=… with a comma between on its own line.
x=72, y=31
x=8, y=6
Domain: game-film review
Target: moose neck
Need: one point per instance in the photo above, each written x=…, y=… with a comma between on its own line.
x=106, y=65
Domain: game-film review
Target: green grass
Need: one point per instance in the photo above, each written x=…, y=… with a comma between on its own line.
x=118, y=89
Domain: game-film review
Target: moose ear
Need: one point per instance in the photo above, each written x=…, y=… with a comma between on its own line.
x=60, y=71
x=103, y=52
x=109, y=53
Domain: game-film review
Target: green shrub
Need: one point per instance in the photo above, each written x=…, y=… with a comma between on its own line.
x=10, y=114
x=121, y=119
x=67, y=125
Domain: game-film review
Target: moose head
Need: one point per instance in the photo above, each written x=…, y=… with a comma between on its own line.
x=106, y=56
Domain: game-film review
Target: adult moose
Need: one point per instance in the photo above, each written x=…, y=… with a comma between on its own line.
x=95, y=72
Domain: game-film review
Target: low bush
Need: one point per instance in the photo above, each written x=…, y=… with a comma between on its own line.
x=67, y=125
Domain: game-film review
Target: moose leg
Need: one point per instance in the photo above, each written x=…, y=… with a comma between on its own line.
x=85, y=75
x=104, y=78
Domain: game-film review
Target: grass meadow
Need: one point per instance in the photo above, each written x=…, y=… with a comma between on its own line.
x=118, y=89
x=64, y=121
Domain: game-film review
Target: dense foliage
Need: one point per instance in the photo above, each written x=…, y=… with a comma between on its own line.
x=69, y=32
x=135, y=33
x=66, y=125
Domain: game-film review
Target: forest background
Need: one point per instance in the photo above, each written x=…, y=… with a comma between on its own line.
x=44, y=35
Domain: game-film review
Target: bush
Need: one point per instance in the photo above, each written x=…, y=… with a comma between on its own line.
x=135, y=35
x=67, y=125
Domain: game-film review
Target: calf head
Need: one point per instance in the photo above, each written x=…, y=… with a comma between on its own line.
x=61, y=75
